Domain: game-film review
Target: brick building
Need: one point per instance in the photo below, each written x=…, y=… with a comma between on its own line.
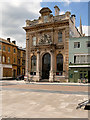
x=21, y=56
x=9, y=59
x=47, y=45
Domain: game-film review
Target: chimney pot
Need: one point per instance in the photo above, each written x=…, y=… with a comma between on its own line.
x=8, y=39
x=14, y=42
x=73, y=19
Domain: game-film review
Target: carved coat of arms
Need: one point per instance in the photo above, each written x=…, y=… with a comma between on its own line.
x=45, y=39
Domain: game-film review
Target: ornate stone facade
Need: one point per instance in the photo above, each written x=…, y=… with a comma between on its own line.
x=47, y=46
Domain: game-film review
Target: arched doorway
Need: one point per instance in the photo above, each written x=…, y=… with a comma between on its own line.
x=46, y=64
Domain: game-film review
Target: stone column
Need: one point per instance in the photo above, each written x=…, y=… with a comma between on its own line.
x=27, y=43
x=38, y=66
x=51, y=76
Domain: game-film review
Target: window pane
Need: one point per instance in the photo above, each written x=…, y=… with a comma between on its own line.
x=60, y=37
x=8, y=59
x=8, y=49
x=59, y=62
x=88, y=43
x=34, y=41
x=14, y=50
x=76, y=44
x=3, y=48
x=74, y=59
x=33, y=63
x=3, y=58
x=14, y=60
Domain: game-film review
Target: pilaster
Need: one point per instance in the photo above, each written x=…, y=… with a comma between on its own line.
x=38, y=64
x=51, y=76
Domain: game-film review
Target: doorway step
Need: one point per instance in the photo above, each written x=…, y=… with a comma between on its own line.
x=44, y=80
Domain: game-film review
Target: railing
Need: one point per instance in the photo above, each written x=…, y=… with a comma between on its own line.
x=83, y=104
x=59, y=73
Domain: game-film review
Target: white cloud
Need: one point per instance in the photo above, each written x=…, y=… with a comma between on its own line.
x=62, y=12
x=12, y=18
x=86, y=30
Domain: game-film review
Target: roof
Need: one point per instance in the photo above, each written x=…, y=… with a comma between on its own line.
x=80, y=37
x=20, y=48
x=7, y=42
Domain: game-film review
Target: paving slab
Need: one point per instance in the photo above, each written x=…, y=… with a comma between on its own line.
x=26, y=104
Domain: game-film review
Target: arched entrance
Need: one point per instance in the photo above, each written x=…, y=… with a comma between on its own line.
x=46, y=64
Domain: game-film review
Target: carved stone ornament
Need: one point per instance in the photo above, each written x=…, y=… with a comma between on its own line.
x=45, y=39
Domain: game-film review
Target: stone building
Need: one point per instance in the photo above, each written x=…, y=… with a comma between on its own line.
x=47, y=45
x=9, y=59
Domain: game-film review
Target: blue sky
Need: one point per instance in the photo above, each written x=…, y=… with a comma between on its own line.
x=14, y=13
x=77, y=8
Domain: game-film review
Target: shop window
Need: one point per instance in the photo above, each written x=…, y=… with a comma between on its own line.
x=71, y=75
x=84, y=75
x=81, y=76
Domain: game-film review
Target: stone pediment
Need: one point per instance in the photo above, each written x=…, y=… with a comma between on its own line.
x=45, y=10
x=45, y=39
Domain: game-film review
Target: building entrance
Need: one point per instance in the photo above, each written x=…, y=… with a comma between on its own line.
x=14, y=73
x=46, y=64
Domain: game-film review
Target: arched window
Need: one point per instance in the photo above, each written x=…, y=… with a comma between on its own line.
x=59, y=64
x=33, y=63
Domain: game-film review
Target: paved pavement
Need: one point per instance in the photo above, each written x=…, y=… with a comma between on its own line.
x=42, y=100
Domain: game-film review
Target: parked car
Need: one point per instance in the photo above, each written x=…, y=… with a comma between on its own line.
x=21, y=77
